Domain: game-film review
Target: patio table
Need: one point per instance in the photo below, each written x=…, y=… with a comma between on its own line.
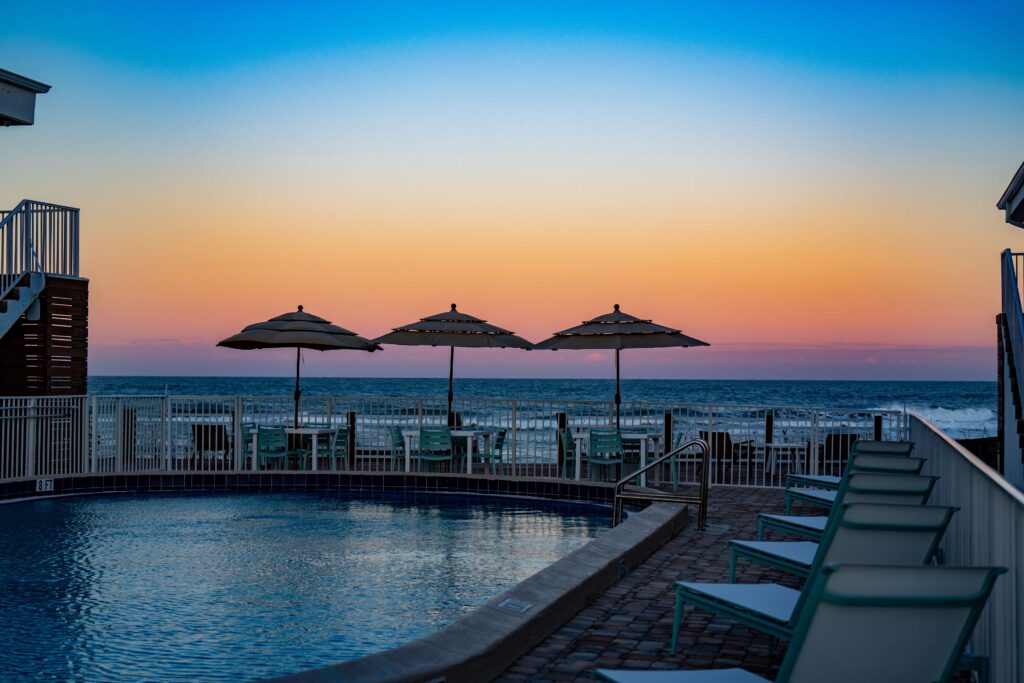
x=582, y=437
x=310, y=431
x=469, y=434
x=772, y=450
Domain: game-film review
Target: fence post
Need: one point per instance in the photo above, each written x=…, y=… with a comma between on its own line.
x=878, y=428
x=669, y=445
x=30, y=438
x=83, y=426
x=513, y=433
x=165, y=431
x=812, y=451
x=351, y=440
x=236, y=438
x=562, y=421
x=119, y=435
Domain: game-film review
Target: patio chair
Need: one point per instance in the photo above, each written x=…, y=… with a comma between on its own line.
x=810, y=527
x=397, y=448
x=868, y=623
x=494, y=458
x=859, y=524
x=335, y=448
x=272, y=445
x=876, y=448
x=914, y=485
x=774, y=609
x=726, y=453
x=244, y=448
x=569, y=453
x=435, y=447
x=604, y=454
x=211, y=448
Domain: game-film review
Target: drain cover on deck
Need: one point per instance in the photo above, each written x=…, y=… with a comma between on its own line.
x=515, y=605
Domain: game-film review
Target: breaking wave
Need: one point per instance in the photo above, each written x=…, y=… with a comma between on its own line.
x=960, y=423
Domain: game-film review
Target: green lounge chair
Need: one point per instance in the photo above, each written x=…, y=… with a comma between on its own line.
x=774, y=609
x=397, y=448
x=494, y=458
x=435, y=446
x=868, y=488
x=604, y=453
x=335, y=449
x=886, y=484
x=859, y=523
x=569, y=453
x=867, y=623
x=877, y=448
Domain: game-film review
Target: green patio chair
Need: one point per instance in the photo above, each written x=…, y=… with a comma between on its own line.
x=863, y=523
x=435, y=447
x=272, y=444
x=494, y=458
x=604, y=453
x=246, y=430
x=876, y=448
x=885, y=624
x=397, y=448
x=772, y=608
x=335, y=448
x=569, y=453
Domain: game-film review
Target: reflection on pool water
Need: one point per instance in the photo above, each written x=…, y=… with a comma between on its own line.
x=236, y=587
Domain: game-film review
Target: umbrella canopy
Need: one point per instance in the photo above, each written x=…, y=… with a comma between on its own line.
x=453, y=328
x=298, y=330
x=618, y=330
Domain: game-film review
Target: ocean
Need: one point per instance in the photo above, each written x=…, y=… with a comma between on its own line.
x=962, y=409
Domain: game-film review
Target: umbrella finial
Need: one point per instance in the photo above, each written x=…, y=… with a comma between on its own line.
x=300, y=308
x=616, y=307
x=453, y=307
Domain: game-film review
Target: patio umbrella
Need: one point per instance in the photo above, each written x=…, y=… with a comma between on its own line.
x=298, y=330
x=452, y=329
x=618, y=330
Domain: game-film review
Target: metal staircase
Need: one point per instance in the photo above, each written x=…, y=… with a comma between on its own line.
x=36, y=239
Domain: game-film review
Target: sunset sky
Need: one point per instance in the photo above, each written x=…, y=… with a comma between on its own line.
x=810, y=189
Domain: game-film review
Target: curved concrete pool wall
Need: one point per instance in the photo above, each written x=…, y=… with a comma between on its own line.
x=254, y=482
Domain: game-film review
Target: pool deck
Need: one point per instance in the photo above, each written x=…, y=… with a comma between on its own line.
x=630, y=625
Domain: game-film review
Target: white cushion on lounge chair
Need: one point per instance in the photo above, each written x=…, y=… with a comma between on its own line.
x=706, y=676
x=816, y=522
x=795, y=551
x=824, y=496
x=768, y=599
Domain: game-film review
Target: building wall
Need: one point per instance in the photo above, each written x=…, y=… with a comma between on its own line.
x=49, y=356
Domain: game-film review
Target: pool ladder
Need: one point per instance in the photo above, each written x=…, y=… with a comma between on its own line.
x=657, y=496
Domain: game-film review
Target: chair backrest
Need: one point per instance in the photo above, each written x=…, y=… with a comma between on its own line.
x=883, y=447
x=397, y=440
x=339, y=441
x=435, y=440
x=272, y=437
x=878, y=533
x=886, y=624
x=720, y=443
x=870, y=462
x=605, y=442
x=879, y=487
x=499, y=440
x=568, y=442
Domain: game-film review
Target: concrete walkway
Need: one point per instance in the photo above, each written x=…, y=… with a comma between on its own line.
x=630, y=626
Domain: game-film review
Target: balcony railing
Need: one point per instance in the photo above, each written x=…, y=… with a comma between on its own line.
x=36, y=237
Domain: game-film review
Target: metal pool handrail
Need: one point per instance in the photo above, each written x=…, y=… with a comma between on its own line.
x=700, y=500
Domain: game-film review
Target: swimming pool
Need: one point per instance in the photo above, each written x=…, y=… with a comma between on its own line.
x=234, y=587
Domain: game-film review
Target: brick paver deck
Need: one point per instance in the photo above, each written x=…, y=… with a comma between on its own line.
x=630, y=626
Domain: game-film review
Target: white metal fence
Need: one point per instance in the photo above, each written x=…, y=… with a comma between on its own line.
x=750, y=445
x=37, y=237
x=987, y=531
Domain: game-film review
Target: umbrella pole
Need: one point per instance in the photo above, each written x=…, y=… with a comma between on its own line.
x=298, y=391
x=618, y=396
x=451, y=373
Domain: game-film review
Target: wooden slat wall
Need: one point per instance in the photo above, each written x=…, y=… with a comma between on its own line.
x=49, y=357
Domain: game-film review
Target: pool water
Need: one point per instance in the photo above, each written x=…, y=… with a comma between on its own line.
x=235, y=587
